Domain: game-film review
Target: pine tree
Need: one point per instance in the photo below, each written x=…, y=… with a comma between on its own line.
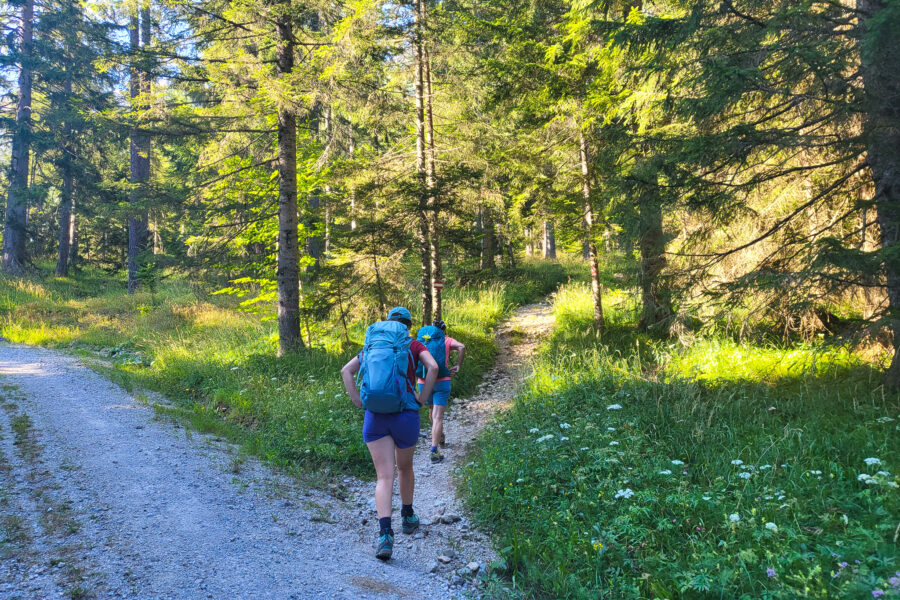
x=15, y=225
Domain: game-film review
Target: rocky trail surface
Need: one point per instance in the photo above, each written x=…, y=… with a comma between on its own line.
x=101, y=496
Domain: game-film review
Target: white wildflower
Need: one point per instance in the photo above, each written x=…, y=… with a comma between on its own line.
x=614, y=443
x=815, y=472
x=785, y=505
x=563, y=438
x=883, y=473
x=534, y=430
x=614, y=407
x=707, y=497
x=585, y=448
x=564, y=426
x=734, y=517
x=884, y=419
x=610, y=428
x=519, y=480
x=771, y=526
x=509, y=431
x=872, y=461
x=235, y=368
x=321, y=392
x=764, y=467
x=737, y=462
x=626, y=493
x=544, y=438
x=677, y=462
x=864, y=477
x=745, y=475
x=665, y=472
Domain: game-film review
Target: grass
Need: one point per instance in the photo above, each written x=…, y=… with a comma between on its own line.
x=633, y=467
x=218, y=365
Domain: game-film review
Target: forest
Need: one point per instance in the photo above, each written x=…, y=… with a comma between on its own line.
x=217, y=193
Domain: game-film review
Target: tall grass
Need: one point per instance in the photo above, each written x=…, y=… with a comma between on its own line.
x=639, y=468
x=219, y=365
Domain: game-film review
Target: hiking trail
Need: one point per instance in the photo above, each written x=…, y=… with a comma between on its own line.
x=101, y=496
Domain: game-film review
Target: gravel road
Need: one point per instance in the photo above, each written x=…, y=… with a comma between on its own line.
x=148, y=510
x=101, y=496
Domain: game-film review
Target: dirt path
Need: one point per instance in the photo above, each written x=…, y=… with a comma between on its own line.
x=454, y=546
x=100, y=497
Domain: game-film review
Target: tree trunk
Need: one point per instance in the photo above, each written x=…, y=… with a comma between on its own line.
x=529, y=242
x=313, y=239
x=65, y=201
x=657, y=307
x=73, y=238
x=329, y=143
x=352, y=150
x=585, y=241
x=421, y=168
x=288, y=273
x=66, y=223
x=589, y=224
x=328, y=219
x=882, y=86
x=140, y=156
x=488, y=239
x=437, y=269
x=14, y=231
x=549, y=240
x=507, y=231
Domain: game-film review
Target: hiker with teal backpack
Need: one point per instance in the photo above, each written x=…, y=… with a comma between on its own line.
x=439, y=345
x=386, y=371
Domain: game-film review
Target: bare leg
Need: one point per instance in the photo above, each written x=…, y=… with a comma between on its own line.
x=437, y=424
x=407, y=477
x=382, y=451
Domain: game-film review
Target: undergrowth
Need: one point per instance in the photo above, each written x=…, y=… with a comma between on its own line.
x=633, y=467
x=218, y=365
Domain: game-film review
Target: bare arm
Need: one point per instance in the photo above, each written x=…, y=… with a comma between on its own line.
x=430, y=377
x=347, y=373
x=460, y=355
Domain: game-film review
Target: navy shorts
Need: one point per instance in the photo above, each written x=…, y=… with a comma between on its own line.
x=402, y=426
x=440, y=395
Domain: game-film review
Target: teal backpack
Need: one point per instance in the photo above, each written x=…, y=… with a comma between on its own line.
x=435, y=340
x=383, y=362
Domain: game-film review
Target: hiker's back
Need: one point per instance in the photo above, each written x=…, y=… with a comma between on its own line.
x=383, y=366
x=435, y=341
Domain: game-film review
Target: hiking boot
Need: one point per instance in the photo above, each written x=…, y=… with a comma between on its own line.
x=385, y=546
x=410, y=524
x=436, y=457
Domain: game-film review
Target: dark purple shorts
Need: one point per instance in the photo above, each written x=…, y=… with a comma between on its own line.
x=402, y=426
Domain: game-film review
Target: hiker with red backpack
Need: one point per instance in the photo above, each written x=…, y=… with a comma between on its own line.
x=439, y=345
x=386, y=370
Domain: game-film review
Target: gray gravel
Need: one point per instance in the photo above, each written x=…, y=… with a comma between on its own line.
x=151, y=510
x=103, y=498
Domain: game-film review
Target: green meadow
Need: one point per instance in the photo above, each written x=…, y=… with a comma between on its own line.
x=632, y=467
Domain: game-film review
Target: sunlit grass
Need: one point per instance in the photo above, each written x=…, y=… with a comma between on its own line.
x=639, y=468
x=219, y=366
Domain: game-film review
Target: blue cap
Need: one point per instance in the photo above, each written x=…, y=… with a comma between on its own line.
x=399, y=313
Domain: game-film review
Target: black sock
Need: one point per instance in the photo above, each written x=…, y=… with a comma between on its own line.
x=406, y=511
x=385, y=524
